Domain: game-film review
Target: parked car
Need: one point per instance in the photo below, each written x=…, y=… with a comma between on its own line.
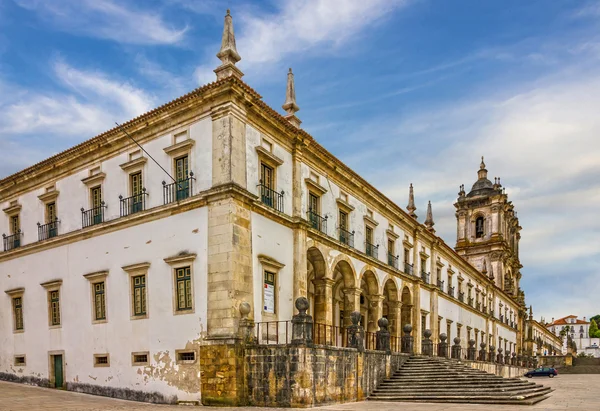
x=542, y=372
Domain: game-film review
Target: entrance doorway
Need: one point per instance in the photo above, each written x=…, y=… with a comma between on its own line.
x=57, y=370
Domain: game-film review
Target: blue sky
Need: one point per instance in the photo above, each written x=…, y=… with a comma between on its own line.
x=403, y=91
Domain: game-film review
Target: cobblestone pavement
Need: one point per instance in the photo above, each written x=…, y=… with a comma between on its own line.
x=572, y=392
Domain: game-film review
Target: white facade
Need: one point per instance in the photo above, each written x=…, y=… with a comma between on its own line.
x=578, y=330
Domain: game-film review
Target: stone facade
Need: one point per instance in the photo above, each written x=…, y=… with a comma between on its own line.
x=255, y=213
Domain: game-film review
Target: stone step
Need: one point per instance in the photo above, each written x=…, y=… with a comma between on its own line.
x=400, y=378
x=454, y=390
x=467, y=400
x=442, y=384
x=464, y=393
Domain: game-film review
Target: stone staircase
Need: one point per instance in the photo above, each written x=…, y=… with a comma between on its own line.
x=434, y=379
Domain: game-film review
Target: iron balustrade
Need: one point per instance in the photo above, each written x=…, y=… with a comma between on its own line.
x=393, y=260
x=92, y=216
x=451, y=291
x=317, y=222
x=461, y=296
x=133, y=204
x=178, y=190
x=12, y=241
x=274, y=332
x=440, y=284
x=371, y=249
x=471, y=301
x=270, y=197
x=425, y=277
x=501, y=318
x=478, y=306
x=346, y=237
x=49, y=230
x=331, y=335
x=408, y=268
x=370, y=340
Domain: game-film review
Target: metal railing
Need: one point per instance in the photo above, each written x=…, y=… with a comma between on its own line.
x=48, y=230
x=274, y=332
x=461, y=296
x=12, y=241
x=393, y=260
x=408, y=268
x=178, y=190
x=92, y=216
x=270, y=197
x=440, y=284
x=133, y=204
x=478, y=306
x=371, y=249
x=425, y=277
x=346, y=237
x=317, y=222
x=331, y=335
x=451, y=291
x=471, y=301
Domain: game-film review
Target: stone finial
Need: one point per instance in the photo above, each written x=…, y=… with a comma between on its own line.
x=429, y=223
x=245, y=309
x=290, y=105
x=411, y=202
x=383, y=323
x=407, y=329
x=456, y=341
x=483, y=345
x=482, y=173
x=484, y=269
x=443, y=337
x=301, y=305
x=228, y=53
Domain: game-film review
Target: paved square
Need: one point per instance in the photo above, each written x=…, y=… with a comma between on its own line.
x=572, y=392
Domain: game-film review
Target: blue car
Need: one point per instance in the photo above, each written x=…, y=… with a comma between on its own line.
x=542, y=372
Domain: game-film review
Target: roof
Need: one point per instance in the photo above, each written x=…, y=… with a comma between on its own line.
x=563, y=321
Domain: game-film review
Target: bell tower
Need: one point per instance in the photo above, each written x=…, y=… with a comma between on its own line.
x=488, y=232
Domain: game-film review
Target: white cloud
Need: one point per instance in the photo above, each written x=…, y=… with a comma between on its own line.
x=106, y=19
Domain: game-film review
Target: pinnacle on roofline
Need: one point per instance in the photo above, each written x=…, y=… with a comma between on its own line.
x=411, y=202
x=429, y=220
x=290, y=105
x=228, y=53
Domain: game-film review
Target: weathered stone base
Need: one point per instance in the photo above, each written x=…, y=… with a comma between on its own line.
x=222, y=374
x=28, y=380
x=503, y=370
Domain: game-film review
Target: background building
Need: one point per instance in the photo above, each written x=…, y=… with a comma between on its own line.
x=578, y=330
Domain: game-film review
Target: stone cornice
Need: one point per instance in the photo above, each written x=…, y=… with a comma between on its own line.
x=268, y=157
x=314, y=186
x=97, y=276
x=52, y=284
x=49, y=196
x=180, y=148
x=344, y=205
x=134, y=164
x=136, y=268
x=16, y=292
x=94, y=179
x=13, y=209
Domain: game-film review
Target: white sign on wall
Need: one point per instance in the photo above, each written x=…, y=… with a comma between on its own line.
x=269, y=298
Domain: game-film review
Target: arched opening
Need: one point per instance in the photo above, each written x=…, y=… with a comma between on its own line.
x=344, y=294
x=369, y=301
x=390, y=306
x=316, y=272
x=479, y=230
x=406, y=310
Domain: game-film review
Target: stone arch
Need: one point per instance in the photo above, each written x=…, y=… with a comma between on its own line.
x=316, y=273
x=344, y=295
x=407, y=307
x=391, y=305
x=370, y=300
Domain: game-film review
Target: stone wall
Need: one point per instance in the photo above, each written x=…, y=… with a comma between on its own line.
x=555, y=361
x=301, y=376
x=503, y=370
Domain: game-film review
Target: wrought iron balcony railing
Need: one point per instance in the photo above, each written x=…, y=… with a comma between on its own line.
x=484, y=309
x=371, y=249
x=317, y=222
x=393, y=260
x=178, y=190
x=461, y=296
x=440, y=284
x=451, y=291
x=501, y=318
x=12, y=241
x=49, y=230
x=270, y=197
x=409, y=268
x=92, y=216
x=133, y=204
x=346, y=237
x=425, y=277
x=478, y=306
x=471, y=301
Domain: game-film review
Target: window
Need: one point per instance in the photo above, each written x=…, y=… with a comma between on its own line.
x=313, y=203
x=15, y=224
x=101, y=360
x=137, y=200
x=50, y=212
x=479, y=227
x=269, y=292
x=423, y=323
x=99, y=301
x=96, y=201
x=182, y=174
x=55, y=307
x=19, y=360
x=267, y=186
x=406, y=256
x=369, y=235
x=18, y=312
x=139, y=295
x=185, y=356
x=316, y=221
x=343, y=222
x=184, y=288
x=139, y=358
x=391, y=246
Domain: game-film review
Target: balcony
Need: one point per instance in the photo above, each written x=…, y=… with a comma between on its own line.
x=471, y=301
x=451, y=291
x=478, y=306
x=92, y=216
x=317, y=222
x=49, y=230
x=178, y=190
x=371, y=249
x=408, y=268
x=461, y=296
x=440, y=284
x=270, y=197
x=425, y=277
x=346, y=237
x=484, y=309
x=133, y=204
x=393, y=260
x=12, y=241
x=492, y=313
x=501, y=318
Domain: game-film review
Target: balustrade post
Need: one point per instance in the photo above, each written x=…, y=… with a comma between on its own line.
x=513, y=359
x=492, y=354
x=302, y=324
x=382, y=342
x=471, y=351
x=427, y=344
x=407, y=340
x=456, y=349
x=356, y=333
x=500, y=356
x=483, y=352
x=443, y=346
x=246, y=325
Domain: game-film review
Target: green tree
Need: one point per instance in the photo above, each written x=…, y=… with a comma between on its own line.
x=596, y=318
x=594, y=332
